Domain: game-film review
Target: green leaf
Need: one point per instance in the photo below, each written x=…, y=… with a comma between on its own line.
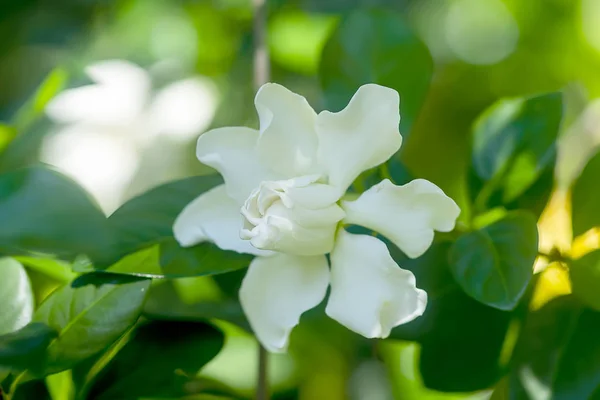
x=42, y=210
x=56, y=269
x=143, y=236
x=578, y=374
x=376, y=47
x=514, y=144
x=16, y=296
x=25, y=348
x=165, y=303
x=169, y=260
x=148, y=218
x=461, y=339
x=558, y=353
x=89, y=314
x=585, y=278
x=495, y=264
x=165, y=356
x=585, y=200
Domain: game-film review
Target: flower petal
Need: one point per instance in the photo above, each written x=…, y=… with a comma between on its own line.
x=370, y=294
x=407, y=215
x=288, y=140
x=361, y=136
x=117, y=98
x=213, y=217
x=232, y=152
x=277, y=290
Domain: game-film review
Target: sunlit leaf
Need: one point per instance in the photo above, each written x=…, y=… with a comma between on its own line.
x=169, y=260
x=514, y=147
x=89, y=314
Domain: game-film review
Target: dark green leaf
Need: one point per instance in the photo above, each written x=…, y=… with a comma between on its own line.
x=89, y=314
x=25, y=348
x=148, y=218
x=461, y=339
x=539, y=348
x=42, y=210
x=514, y=144
x=376, y=47
x=16, y=297
x=585, y=278
x=558, y=353
x=495, y=264
x=32, y=390
x=578, y=373
x=585, y=201
x=165, y=356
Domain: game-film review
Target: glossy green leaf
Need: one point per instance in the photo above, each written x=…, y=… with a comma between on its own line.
x=148, y=218
x=376, y=47
x=16, y=296
x=514, y=145
x=90, y=313
x=169, y=260
x=585, y=278
x=495, y=264
x=56, y=269
x=461, y=339
x=42, y=210
x=585, y=198
x=164, y=355
x=25, y=348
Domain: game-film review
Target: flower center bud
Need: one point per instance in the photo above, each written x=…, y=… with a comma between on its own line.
x=295, y=216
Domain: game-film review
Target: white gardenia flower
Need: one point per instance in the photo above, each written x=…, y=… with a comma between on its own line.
x=287, y=180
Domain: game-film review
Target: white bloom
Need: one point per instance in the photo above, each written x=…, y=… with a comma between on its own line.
x=287, y=181
x=109, y=128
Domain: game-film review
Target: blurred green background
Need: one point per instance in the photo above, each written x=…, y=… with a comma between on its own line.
x=196, y=59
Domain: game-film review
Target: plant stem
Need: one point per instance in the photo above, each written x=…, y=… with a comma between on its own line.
x=261, y=49
x=261, y=76
x=262, y=387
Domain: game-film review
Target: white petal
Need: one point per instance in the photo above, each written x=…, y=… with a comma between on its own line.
x=232, y=152
x=407, y=215
x=117, y=98
x=213, y=217
x=361, y=136
x=288, y=140
x=277, y=290
x=370, y=293
x=184, y=108
x=102, y=162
